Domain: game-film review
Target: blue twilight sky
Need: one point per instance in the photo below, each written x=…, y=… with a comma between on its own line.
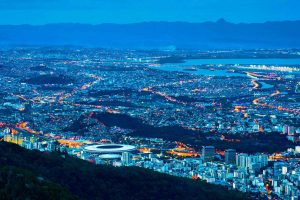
x=129, y=11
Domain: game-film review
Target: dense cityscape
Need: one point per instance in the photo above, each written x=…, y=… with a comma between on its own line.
x=229, y=118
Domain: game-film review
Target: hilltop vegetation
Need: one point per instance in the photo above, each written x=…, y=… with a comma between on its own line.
x=17, y=183
x=249, y=143
x=28, y=174
x=49, y=79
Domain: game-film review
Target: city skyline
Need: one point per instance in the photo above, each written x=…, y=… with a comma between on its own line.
x=140, y=99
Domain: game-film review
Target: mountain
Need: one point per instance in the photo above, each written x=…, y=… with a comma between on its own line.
x=207, y=35
x=26, y=174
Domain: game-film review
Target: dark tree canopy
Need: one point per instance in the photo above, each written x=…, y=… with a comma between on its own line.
x=36, y=175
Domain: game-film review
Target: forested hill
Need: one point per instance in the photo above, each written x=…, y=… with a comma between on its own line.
x=165, y=35
x=33, y=175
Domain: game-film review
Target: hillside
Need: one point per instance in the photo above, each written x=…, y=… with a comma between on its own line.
x=166, y=35
x=260, y=143
x=28, y=174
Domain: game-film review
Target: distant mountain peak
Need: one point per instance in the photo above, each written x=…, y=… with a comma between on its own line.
x=221, y=21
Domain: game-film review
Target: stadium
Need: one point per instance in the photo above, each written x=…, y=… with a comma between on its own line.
x=109, y=148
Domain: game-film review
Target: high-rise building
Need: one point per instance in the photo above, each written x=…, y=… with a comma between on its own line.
x=252, y=159
x=230, y=156
x=241, y=160
x=256, y=161
x=284, y=170
x=297, y=88
x=263, y=160
x=52, y=145
x=208, y=153
x=285, y=129
x=291, y=130
x=126, y=158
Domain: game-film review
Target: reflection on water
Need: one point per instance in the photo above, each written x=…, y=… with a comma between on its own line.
x=273, y=61
x=202, y=72
x=265, y=85
x=186, y=66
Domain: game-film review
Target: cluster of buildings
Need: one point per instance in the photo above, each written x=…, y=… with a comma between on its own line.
x=30, y=141
x=126, y=83
x=50, y=100
x=261, y=175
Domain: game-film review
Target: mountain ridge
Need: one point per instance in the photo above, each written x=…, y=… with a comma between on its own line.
x=221, y=20
x=181, y=35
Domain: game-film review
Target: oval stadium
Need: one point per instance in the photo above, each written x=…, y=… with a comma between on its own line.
x=109, y=148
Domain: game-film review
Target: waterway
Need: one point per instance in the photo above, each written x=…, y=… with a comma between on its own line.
x=188, y=64
x=198, y=71
x=269, y=61
x=265, y=85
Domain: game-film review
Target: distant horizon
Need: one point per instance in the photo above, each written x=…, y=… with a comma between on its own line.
x=179, y=35
x=141, y=22
x=37, y=12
